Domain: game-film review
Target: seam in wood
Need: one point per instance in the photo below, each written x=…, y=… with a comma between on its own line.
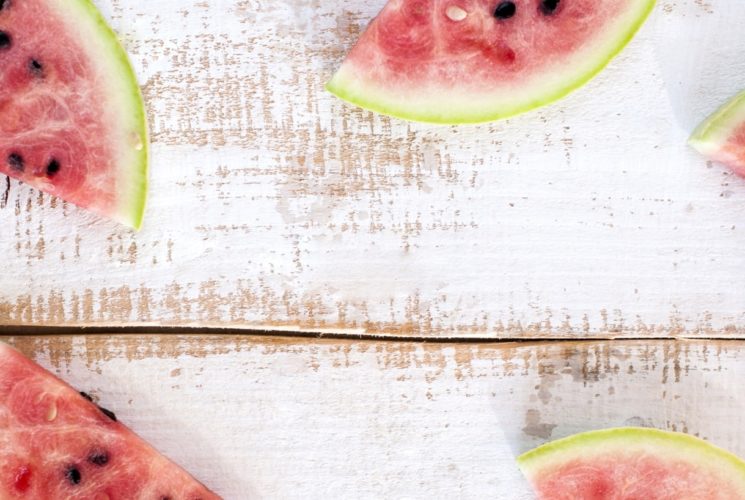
x=26, y=330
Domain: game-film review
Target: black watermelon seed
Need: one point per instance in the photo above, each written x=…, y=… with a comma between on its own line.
x=505, y=10
x=549, y=6
x=99, y=458
x=35, y=67
x=73, y=475
x=165, y=497
x=15, y=161
x=5, y=40
x=4, y=3
x=86, y=396
x=108, y=413
x=52, y=168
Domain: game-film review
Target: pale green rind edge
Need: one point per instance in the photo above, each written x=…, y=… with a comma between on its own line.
x=337, y=88
x=716, y=128
x=133, y=210
x=589, y=440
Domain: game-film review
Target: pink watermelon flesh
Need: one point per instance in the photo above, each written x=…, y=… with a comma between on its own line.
x=458, y=61
x=633, y=464
x=721, y=137
x=57, y=444
x=734, y=151
x=71, y=115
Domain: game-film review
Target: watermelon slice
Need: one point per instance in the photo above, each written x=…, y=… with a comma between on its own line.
x=469, y=61
x=72, y=120
x=721, y=137
x=55, y=443
x=633, y=463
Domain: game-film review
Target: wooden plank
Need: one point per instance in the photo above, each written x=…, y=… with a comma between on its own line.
x=262, y=417
x=276, y=206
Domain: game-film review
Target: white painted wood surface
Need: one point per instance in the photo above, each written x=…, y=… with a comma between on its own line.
x=291, y=418
x=275, y=205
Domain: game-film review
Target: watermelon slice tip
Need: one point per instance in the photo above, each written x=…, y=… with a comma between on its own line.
x=58, y=443
x=721, y=137
x=72, y=116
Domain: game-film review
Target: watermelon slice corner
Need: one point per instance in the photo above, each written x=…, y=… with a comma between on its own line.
x=72, y=116
x=473, y=61
x=721, y=137
x=630, y=463
x=58, y=444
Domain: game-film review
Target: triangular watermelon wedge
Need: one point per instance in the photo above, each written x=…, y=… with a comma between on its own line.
x=72, y=119
x=470, y=61
x=55, y=443
x=721, y=136
x=633, y=463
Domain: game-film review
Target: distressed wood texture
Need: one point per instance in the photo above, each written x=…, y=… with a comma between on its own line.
x=275, y=205
x=295, y=418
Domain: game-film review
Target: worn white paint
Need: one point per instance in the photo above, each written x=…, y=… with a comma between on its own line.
x=306, y=419
x=274, y=204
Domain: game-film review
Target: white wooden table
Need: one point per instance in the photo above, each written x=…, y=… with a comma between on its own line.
x=275, y=207
x=274, y=204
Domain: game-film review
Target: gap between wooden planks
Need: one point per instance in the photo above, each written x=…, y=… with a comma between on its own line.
x=251, y=332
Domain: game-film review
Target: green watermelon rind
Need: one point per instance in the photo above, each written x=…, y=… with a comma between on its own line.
x=717, y=128
x=344, y=89
x=134, y=174
x=680, y=446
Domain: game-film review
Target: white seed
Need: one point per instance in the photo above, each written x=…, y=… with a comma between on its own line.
x=455, y=13
x=52, y=412
x=137, y=141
